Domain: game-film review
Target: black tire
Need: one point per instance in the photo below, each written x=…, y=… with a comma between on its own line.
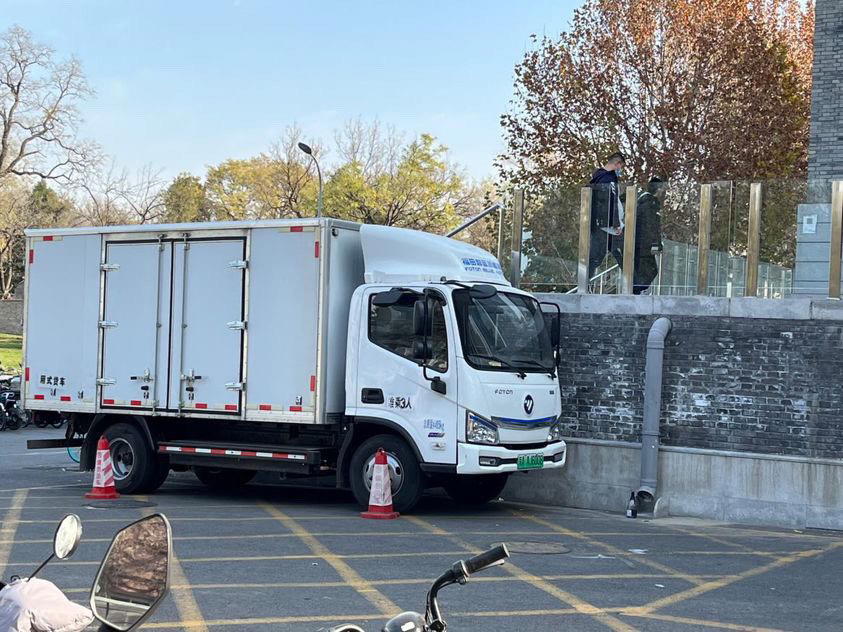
x=476, y=490
x=134, y=464
x=57, y=422
x=411, y=486
x=12, y=421
x=40, y=421
x=223, y=478
x=160, y=474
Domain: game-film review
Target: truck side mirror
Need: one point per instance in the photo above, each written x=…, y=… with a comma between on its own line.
x=421, y=319
x=555, y=334
x=422, y=350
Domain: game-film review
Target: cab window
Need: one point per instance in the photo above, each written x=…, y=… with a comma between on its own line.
x=391, y=327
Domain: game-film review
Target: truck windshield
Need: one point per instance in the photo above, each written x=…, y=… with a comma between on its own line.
x=503, y=332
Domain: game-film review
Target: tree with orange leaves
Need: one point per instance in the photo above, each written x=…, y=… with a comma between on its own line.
x=689, y=89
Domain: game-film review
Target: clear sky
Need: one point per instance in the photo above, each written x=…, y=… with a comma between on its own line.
x=184, y=84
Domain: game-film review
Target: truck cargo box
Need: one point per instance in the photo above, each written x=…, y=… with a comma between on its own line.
x=233, y=320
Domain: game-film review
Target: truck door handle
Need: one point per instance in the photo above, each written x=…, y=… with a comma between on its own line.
x=372, y=396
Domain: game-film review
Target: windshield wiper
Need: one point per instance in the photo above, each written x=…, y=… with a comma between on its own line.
x=503, y=363
x=550, y=371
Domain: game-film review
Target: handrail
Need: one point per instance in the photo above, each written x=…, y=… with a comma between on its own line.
x=474, y=219
x=595, y=278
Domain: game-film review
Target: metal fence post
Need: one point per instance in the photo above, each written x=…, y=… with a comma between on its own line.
x=753, y=238
x=585, y=240
x=630, y=216
x=704, y=238
x=517, y=233
x=500, y=233
x=836, y=245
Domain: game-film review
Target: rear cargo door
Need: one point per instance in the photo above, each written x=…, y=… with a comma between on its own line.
x=134, y=324
x=207, y=331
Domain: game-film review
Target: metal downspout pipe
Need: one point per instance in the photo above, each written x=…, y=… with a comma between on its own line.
x=652, y=409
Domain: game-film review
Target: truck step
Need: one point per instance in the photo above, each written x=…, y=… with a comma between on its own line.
x=248, y=456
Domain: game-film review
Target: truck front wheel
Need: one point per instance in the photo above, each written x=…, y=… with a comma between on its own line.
x=476, y=490
x=405, y=475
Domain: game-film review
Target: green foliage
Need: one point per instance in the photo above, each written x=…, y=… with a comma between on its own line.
x=184, y=200
x=419, y=190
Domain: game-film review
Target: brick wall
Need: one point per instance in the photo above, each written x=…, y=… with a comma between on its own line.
x=11, y=313
x=768, y=385
x=825, y=158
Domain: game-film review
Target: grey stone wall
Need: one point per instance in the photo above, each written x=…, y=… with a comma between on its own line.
x=825, y=158
x=745, y=375
x=11, y=315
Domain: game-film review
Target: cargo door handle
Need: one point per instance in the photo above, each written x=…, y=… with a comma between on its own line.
x=372, y=396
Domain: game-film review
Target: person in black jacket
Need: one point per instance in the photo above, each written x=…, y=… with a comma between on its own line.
x=606, y=219
x=648, y=237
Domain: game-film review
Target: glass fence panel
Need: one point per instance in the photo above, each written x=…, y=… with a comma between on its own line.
x=678, y=261
x=551, y=241
x=812, y=237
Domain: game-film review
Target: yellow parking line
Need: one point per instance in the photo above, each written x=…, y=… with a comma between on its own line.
x=183, y=596
x=9, y=526
x=705, y=623
x=696, y=591
x=180, y=588
x=691, y=579
x=408, y=582
x=349, y=575
x=579, y=605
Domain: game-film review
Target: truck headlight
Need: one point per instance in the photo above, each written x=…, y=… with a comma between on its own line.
x=557, y=432
x=479, y=429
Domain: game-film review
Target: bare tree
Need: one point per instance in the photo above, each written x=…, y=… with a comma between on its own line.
x=14, y=218
x=292, y=177
x=375, y=148
x=143, y=196
x=39, y=118
x=100, y=197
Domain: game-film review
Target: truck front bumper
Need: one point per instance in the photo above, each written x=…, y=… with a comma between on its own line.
x=490, y=459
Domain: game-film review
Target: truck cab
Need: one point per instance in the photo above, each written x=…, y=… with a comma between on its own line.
x=445, y=351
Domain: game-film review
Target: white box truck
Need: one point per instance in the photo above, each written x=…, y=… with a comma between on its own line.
x=297, y=346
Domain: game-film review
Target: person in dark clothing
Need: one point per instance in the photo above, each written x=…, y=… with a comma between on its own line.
x=648, y=237
x=606, y=213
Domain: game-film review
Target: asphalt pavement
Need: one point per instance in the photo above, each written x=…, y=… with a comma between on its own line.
x=277, y=558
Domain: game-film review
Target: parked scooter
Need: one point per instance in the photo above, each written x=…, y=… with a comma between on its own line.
x=132, y=580
x=432, y=620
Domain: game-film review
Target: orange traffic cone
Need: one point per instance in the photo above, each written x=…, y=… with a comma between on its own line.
x=380, y=496
x=103, y=475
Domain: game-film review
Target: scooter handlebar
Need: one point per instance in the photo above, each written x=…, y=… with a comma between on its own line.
x=489, y=558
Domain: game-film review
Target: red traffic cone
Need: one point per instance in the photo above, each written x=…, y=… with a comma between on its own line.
x=103, y=475
x=380, y=496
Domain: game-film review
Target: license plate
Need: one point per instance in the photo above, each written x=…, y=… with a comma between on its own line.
x=530, y=461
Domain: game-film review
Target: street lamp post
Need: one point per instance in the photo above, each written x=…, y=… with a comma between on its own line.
x=306, y=149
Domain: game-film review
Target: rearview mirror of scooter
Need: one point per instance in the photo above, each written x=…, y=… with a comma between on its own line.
x=65, y=541
x=135, y=575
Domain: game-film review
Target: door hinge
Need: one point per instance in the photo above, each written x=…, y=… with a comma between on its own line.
x=107, y=324
x=235, y=386
x=109, y=267
x=236, y=324
x=240, y=264
x=106, y=381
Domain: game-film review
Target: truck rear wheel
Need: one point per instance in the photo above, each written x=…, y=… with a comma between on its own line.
x=136, y=467
x=223, y=478
x=404, y=472
x=476, y=490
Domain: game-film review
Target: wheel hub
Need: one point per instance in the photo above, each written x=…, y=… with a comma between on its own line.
x=396, y=472
x=122, y=458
